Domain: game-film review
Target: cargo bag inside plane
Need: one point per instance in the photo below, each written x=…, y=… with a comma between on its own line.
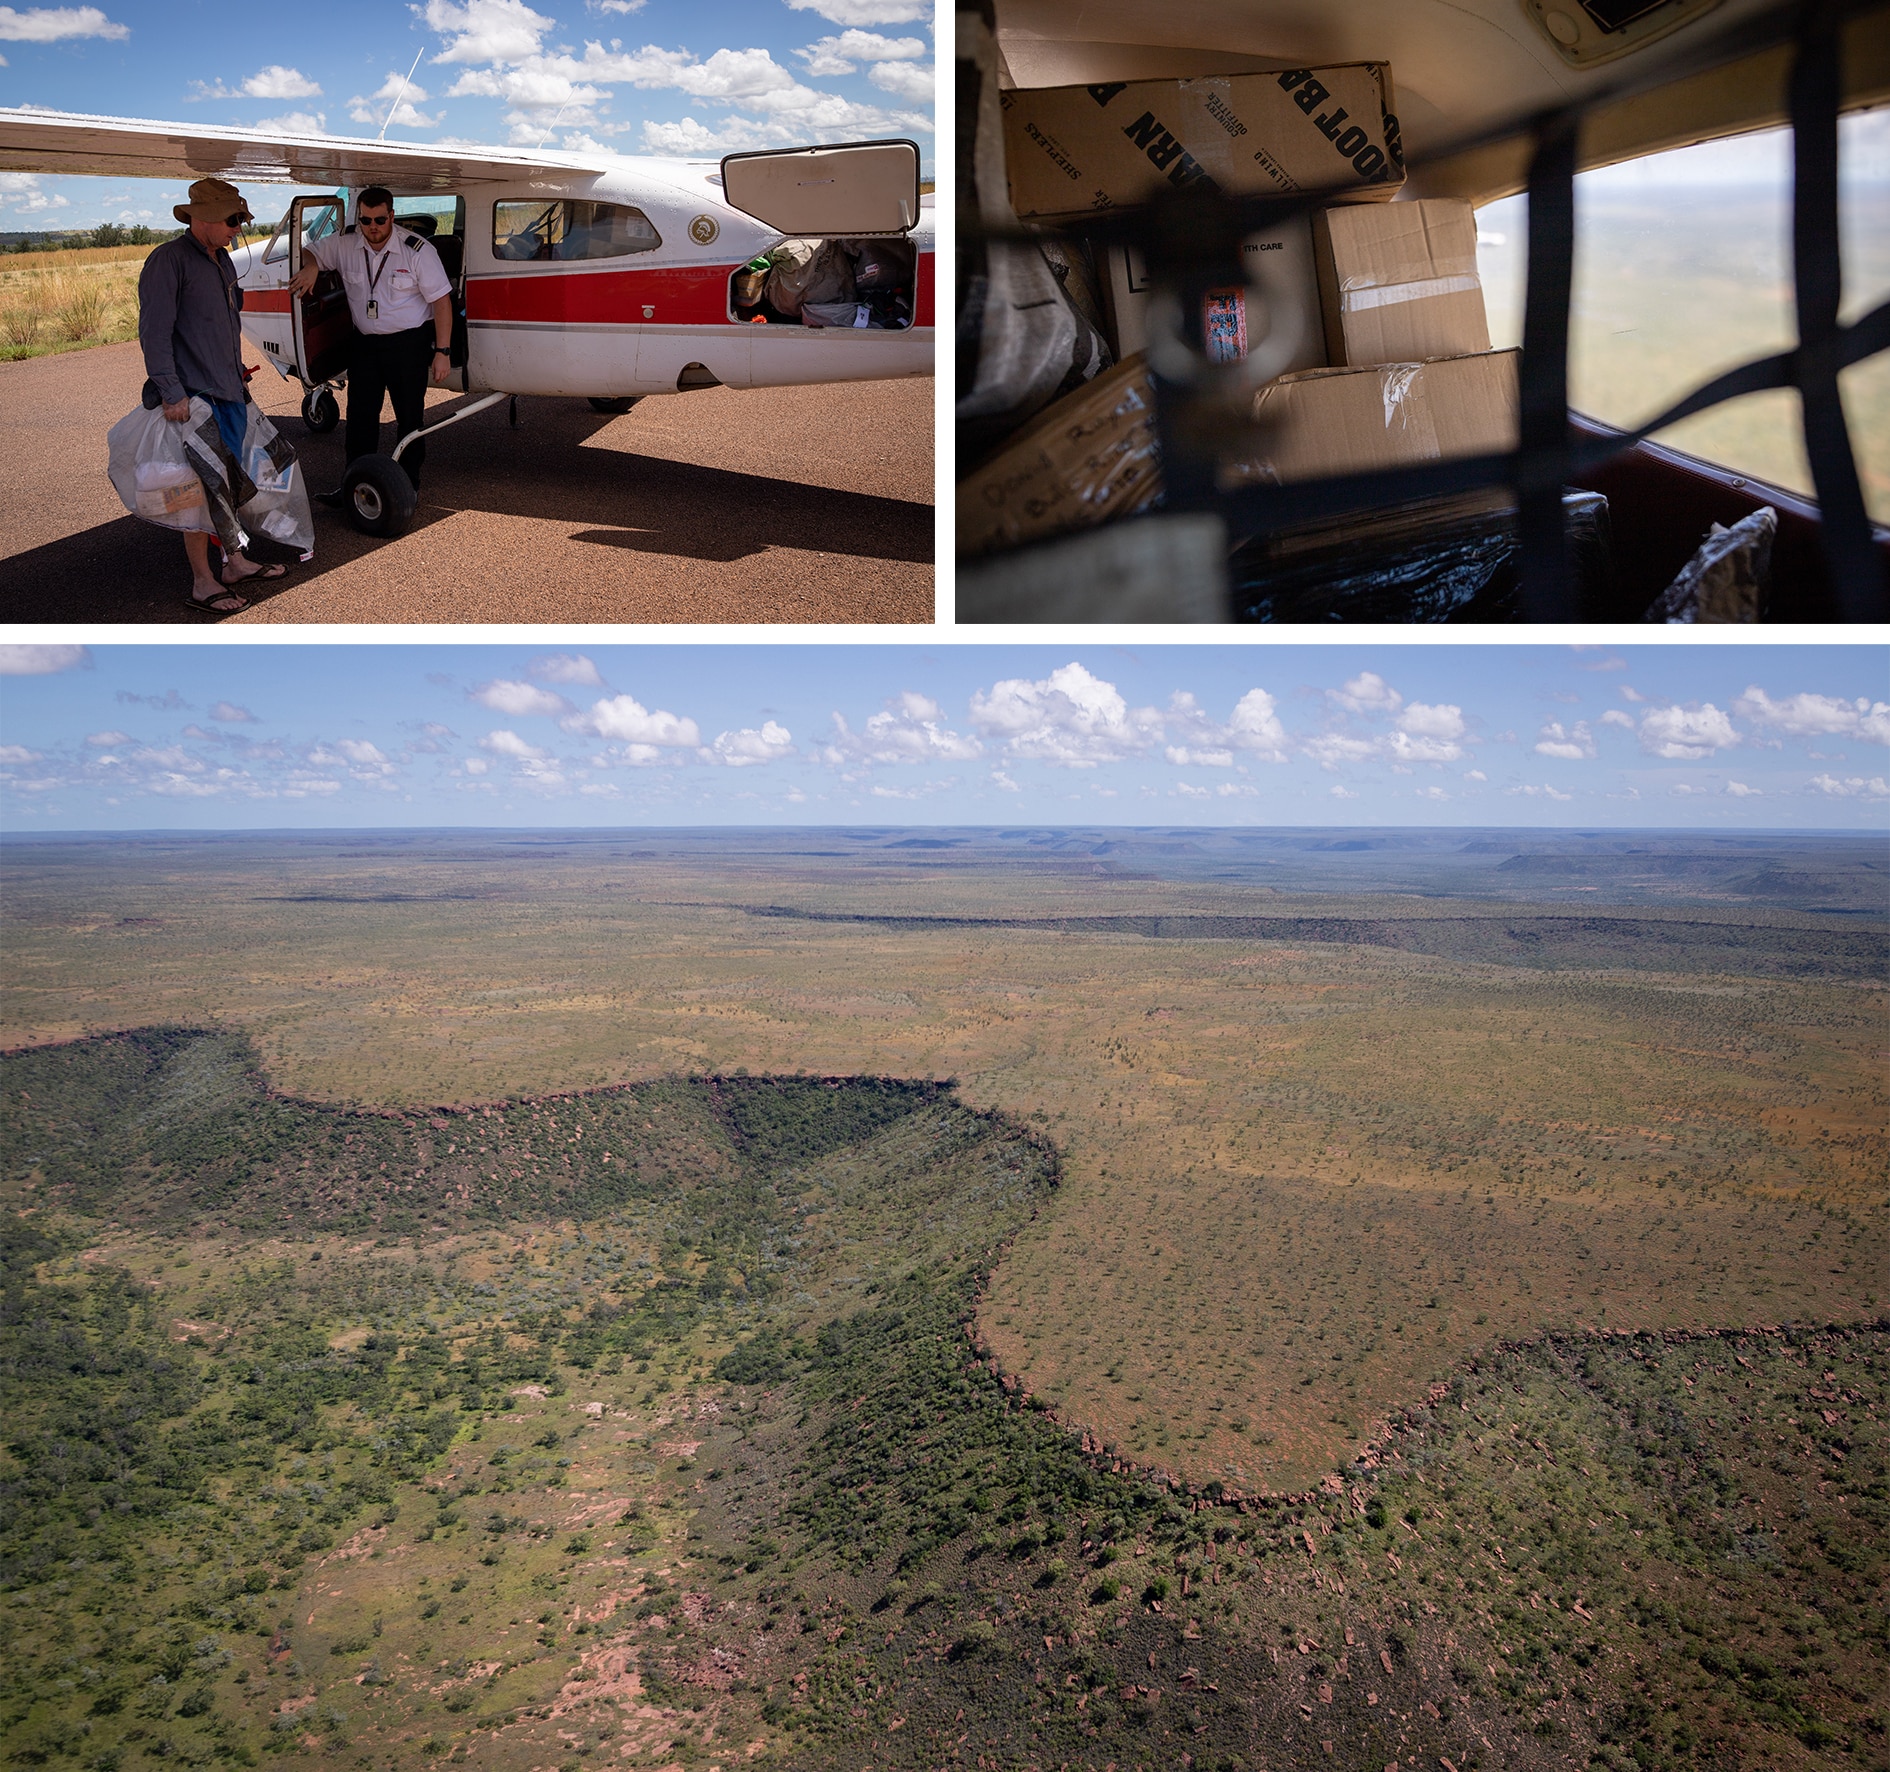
x=868, y=284
x=182, y=476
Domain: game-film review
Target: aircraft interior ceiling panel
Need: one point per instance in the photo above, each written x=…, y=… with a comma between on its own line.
x=1457, y=65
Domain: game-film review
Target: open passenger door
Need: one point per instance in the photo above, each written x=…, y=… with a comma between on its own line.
x=321, y=328
x=858, y=189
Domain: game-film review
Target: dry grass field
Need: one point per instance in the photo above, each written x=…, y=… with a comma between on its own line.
x=1302, y=1179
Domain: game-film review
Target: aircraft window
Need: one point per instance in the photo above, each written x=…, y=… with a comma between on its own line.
x=431, y=216
x=570, y=229
x=1683, y=270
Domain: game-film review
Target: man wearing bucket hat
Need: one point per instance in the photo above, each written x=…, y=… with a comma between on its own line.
x=189, y=303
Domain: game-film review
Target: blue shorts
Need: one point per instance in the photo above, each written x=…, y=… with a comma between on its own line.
x=232, y=424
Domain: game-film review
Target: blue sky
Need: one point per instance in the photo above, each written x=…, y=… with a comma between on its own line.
x=629, y=76
x=188, y=737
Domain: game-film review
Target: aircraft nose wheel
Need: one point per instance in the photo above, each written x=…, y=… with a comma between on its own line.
x=320, y=410
x=378, y=495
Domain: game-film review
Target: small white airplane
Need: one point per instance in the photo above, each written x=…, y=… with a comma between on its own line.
x=608, y=279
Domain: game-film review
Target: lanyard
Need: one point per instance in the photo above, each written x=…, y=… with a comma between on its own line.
x=374, y=271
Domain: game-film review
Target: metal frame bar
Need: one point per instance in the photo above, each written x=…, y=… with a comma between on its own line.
x=478, y=405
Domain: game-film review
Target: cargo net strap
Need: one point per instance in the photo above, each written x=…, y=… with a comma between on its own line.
x=1548, y=455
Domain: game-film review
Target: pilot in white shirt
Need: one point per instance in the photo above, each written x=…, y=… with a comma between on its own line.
x=401, y=301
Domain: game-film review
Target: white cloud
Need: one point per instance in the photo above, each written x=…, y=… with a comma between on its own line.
x=20, y=190
x=231, y=714
x=1615, y=717
x=476, y=765
x=1817, y=716
x=1686, y=734
x=1342, y=793
x=487, y=30
x=911, y=728
x=41, y=661
x=372, y=108
x=503, y=743
x=1229, y=790
x=1254, y=730
x=1740, y=791
x=274, y=81
x=1189, y=791
x=1572, y=744
x=735, y=74
x=868, y=12
x=295, y=123
x=838, y=55
x=739, y=749
x=1069, y=717
x=18, y=753
x=1545, y=792
x=53, y=24
x=1000, y=780
x=1855, y=788
x=503, y=696
x=1474, y=775
x=618, y=5
x=105, y=740
x=1629, y=693
x=1432, y=793
x=1426, y=733
x=565, y=667
x=1367, y=693
x=624, y=718
x=1330, y=749
x=917, y=85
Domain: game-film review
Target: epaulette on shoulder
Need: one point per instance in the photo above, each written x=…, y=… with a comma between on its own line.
x=413, y=242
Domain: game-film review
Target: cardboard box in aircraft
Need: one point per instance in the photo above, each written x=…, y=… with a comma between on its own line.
x=1073, y=150
x=1286, y=273
x=1398, y=282
x=1088, y=459
x=1327, y=422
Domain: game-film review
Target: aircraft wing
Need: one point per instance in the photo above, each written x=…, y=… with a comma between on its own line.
x=131, y=147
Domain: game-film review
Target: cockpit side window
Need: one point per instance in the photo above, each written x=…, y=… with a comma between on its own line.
x=1683, y=270
x=570, y=229
x=324, y=222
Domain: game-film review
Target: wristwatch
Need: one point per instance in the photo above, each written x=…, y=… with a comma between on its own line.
x=448, y=349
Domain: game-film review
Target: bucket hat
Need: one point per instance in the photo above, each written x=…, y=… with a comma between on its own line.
x=212, y=197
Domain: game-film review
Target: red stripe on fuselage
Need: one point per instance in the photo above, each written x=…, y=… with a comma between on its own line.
x=923, y=302
x=682, y=295
x=266, y=301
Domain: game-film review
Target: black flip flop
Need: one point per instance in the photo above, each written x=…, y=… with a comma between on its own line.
x=207, y=605
x=274, y=570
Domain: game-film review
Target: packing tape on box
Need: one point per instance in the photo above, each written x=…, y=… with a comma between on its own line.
x=1359, y=293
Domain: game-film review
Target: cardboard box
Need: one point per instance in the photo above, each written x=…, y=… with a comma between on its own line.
x=1288, y=274
x=1327, y=422
x=1398, y=281
x=1086, y=460
x=1072, y=150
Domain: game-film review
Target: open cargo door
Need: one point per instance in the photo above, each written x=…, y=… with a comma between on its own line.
x=856, y=189
x=321, y=327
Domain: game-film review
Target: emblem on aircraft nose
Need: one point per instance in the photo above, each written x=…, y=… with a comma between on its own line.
x=703, y=230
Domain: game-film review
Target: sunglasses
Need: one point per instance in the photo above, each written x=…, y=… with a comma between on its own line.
x=374, y=221
x=234, y=221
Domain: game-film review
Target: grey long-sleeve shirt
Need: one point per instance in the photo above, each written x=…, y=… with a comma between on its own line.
x=188, y=303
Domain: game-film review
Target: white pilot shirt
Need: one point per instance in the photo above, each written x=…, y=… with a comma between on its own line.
x=406, y=278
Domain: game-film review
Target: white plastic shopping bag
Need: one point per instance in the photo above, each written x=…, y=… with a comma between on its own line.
x=182, y=477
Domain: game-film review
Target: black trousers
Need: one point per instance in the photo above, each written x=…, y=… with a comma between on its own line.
x=384, y=363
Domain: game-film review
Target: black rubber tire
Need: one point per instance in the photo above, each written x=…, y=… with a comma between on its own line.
x=378, y=496
x=614, y=402
x=321, y=411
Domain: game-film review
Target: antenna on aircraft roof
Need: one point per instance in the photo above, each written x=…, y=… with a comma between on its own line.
x=402, y=93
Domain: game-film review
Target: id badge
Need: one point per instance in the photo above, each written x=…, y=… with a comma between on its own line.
x=373, y=308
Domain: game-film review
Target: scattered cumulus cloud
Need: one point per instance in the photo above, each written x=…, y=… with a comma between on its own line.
x=910, y=728
x=1070, y=718
x=868, y=12
x=1573, y=743
x=41, y=661
x=1686, y=734
x=506, y=743
x=372, y=109
x=1253, y=731
x=231, y=714
x=1855, y=787
x=105, y=740
x=274, y=81
x=1816, y=716
x=843, y=53
x=565, y=667
x=503, y=696
x=768, y=743
x=56, y=24
x=1367, y=693
x=1740, y=791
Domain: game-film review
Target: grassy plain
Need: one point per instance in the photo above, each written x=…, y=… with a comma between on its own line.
x=714, y=1471
x=1302, y=1178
